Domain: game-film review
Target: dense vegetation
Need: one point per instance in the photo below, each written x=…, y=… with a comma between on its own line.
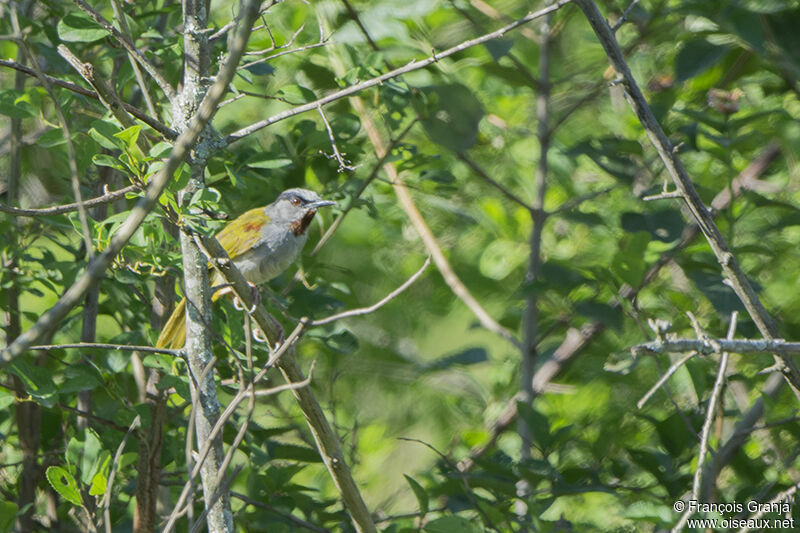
x=572, y=209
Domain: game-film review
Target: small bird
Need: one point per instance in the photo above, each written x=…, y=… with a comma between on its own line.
x=262, y=243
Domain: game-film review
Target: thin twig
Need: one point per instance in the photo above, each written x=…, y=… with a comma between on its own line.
x=343, y=165
x=624, y=16
x=783, y=496
x=380, y=303
x=119, y=14
x=711, y=410
x=670, y=195
x=288, y=516
x=62, y=120
x=107, y=346
x=663, y=379
x=106, y=503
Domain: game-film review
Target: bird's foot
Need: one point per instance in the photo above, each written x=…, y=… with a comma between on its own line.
x=259, y=336
x=256, y=300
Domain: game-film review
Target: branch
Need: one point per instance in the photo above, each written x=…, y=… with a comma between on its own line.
x=105, y=346
x=105, y=503
x=709, y=346
x=711, y=411
x=412, y=66
x=374, y=307
x=107, y=198
x=683, y=183
x=162, y=82
x=157, y=184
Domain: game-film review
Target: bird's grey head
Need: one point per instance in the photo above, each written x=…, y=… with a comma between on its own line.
x=296, y=207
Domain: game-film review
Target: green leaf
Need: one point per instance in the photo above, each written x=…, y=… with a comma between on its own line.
x=105, y=134
x=64, y=484
x=419, y=492
x=664, y=225
x=129, y=136
x=90, y=456
x=158, y=361
x=100, y=479
x=451, y=524
x=452, y=116
x=697, y=56
x=343, y=342
x=51, y=138
x=269, y=161
x=79, y=28
x=14, y=105
x=105, y=160
x=628, y=263
x=500, y=258
x=8, y=515
x=469, y=356
x=296, y=94
x=278, y=450
x=37, y=380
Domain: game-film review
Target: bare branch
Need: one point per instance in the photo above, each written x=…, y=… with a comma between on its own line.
x=107, y=97
x=106, y=346
x=343, y=165
x=107, y=198
x=106, y=502
x=669, y=195
x=412, y=66
x=377, y=305
x=624, y=16
x=663, y=379
x=711, y=411
x=709, y=346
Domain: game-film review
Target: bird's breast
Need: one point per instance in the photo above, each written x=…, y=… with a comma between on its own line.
x=273, y=255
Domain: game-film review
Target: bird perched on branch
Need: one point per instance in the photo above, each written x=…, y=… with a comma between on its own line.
x=262, y=243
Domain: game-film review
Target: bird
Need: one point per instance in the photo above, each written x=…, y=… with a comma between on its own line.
x=262, y=243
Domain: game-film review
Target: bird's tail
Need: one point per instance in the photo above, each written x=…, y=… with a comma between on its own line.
x=173, y=335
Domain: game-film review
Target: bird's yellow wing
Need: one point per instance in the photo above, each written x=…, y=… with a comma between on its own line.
x=243, y=233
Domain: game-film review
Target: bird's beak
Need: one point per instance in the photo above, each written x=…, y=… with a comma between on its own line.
x=319, y=203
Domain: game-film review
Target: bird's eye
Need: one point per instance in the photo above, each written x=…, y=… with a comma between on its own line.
x=296, y=201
